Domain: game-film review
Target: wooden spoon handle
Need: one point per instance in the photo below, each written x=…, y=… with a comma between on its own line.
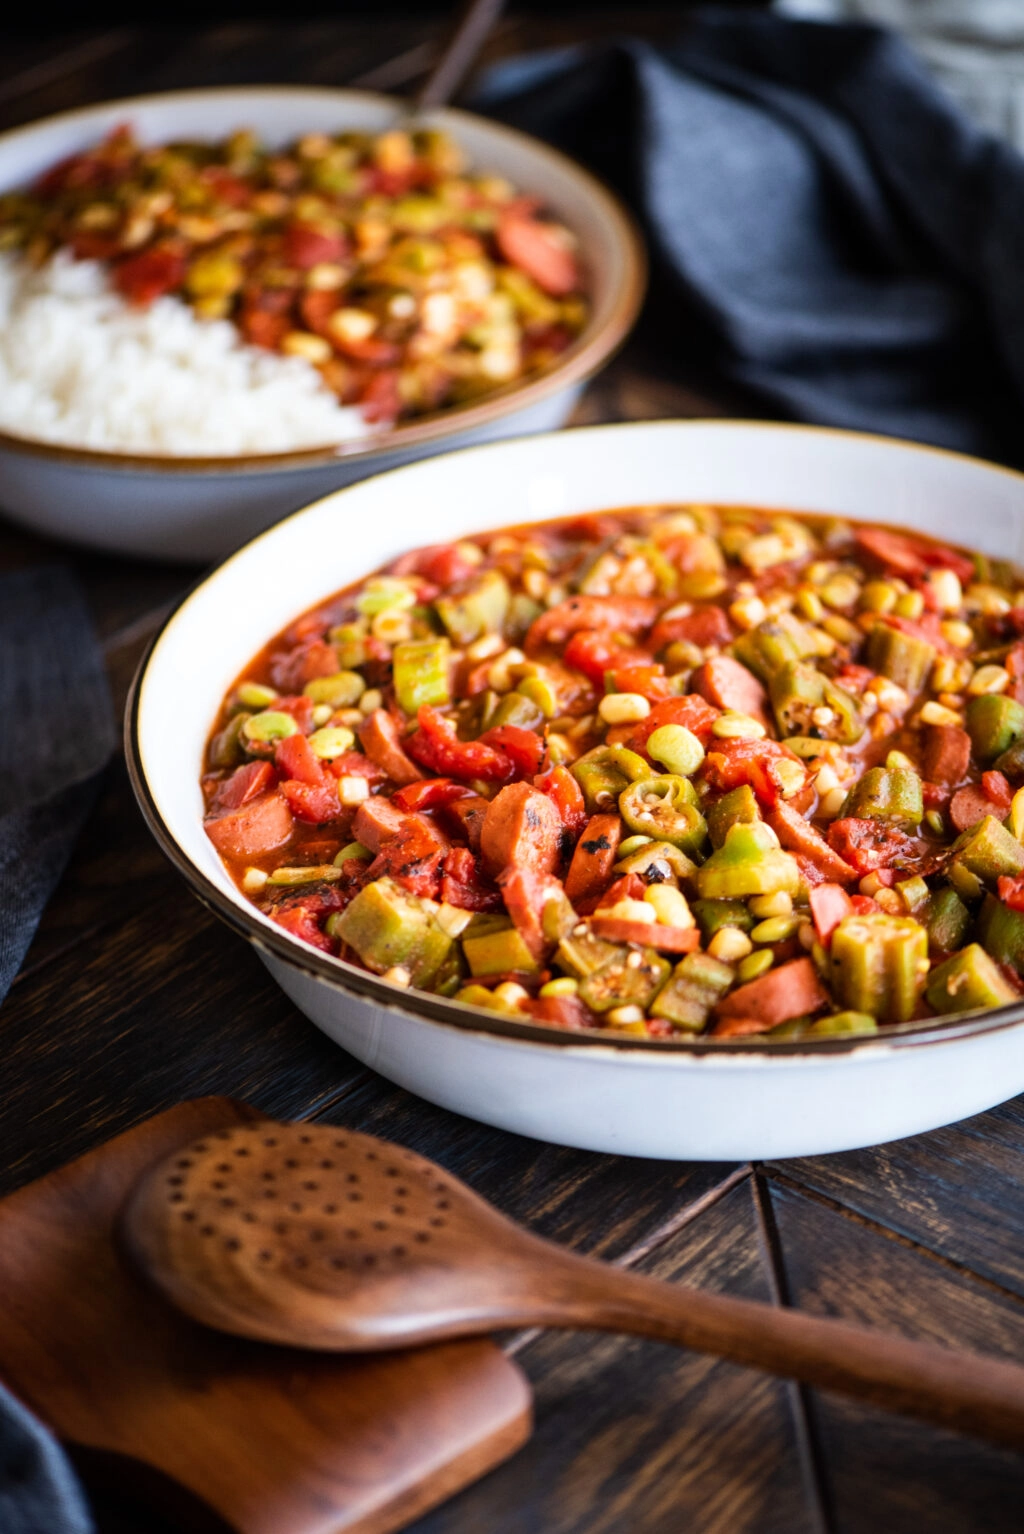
x=967, y=1392
x=472, y=25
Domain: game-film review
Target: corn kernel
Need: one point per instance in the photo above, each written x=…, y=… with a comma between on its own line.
x=670, y=905
x=945, y=589
x=498, y=678
x=897, y=759
x=1017, y=815
x=484, y=648
x=890, y=902
x=253, y=880
x=763, y=906
x=623, y=708
x=629, y=910
x=989, y=679
x=810, y=605
x=353, y=791
x=626, y=1017
x=957, y=633
x=870, y=885
x=392, y=627
x=832, y=803
x=878, y=597
x=303, y=343
x=535, y=584
x=790, y=776
x=748, y=612
x=510, y=995
x=398, y=975
x=936, y=713
x=730, y=945
x=452, y=919
x=841, y=591
x=826, y=779
x=910, y=605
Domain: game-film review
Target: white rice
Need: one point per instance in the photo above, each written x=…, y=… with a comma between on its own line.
x=81, y=367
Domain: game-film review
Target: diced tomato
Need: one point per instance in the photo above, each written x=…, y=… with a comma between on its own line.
x=381, y=399
x=871, y=845
x=708, y=627
x=263, y=329
x=595, y=654
x=524, y=748
x=464, y=884
x=315, y=802
x=245, y=783
x=561, y=787
x=649, y=681
x=294, y=758
x=303, y=915
x=88, y=245
x=1011, y=891
x=442, y=564
x=561, y=1012
x=353, y=764
x=935, y=796
x=437, y=746
x=225, y=186
x=429, y=794
x=853, y=678
x=625, y=615
x=413, y=859
x=626, y=887
x=292, y=669
x=830, y=904
x=863, y=905
x=734, y=762
x=525, y=892
x=691, y=710
x=911, y=557
x=540, y=250
x=305, y=246
x=149, y=275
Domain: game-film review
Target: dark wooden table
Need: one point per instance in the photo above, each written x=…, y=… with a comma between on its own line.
x=133, y=997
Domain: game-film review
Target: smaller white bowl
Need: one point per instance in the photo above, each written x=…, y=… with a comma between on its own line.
x=201, y=508
x=695, y=1099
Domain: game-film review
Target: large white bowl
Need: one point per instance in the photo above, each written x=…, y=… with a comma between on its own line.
x=694, y=1100
x=201, y=508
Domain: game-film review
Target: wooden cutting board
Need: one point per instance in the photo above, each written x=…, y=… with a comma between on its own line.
x=222, y=1431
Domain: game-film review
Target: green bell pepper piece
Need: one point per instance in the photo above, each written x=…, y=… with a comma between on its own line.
x=712, y=915
x=387, y=926
x=738, y=806
x=892, y=794
x=987, y=850
x=697, y=984
x=421, y=673
x=968, y=982
x=481, y=609
x=995, y=723
x=498, y=952
x=749, y=862
x=664, y=807
x=878, y=964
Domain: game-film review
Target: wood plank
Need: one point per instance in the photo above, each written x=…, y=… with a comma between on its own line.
x=635, y=1436
x=162, y=1006
x=958, y=1191
x=884, y=1473
x=604, y=1204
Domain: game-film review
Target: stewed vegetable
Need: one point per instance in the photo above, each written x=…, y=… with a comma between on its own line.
x=409, y=281
x=667, y=771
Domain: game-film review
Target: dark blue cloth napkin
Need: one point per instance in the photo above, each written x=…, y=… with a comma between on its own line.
x=827, y=229
x=56, y=735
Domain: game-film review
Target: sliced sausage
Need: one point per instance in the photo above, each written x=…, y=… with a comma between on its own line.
x=378, y=736
x=945, y=754
x=521, y=829
x=970, y=805
x=798, y=835
x=649, y=934
x=259, y=826
x=792, y=990
x=727, y=683
x=707, y=627
x=592, y=862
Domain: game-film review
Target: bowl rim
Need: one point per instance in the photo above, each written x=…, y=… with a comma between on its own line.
x=579, y=362
x=423, y=1006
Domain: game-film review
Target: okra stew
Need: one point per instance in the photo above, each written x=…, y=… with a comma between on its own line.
x=668, y=771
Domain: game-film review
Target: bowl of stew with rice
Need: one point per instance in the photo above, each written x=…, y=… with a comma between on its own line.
x=667, y=798
x=215, y=305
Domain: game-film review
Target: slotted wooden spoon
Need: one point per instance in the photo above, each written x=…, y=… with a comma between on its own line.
x=320, y=1238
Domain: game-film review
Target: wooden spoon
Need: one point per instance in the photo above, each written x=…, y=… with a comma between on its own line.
x=320, y=1238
